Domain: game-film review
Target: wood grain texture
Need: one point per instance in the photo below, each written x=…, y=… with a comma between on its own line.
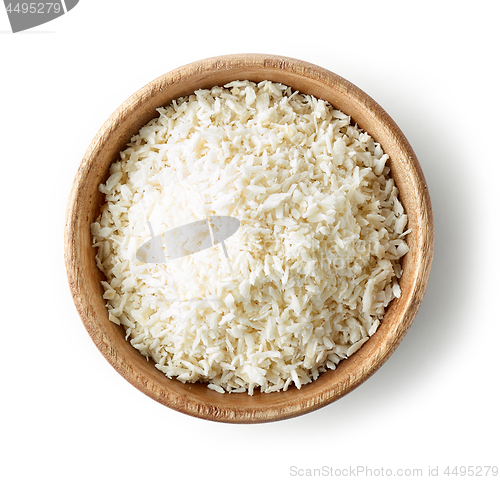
x=85, y=202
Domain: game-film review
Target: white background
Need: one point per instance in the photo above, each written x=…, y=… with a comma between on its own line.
x=66, y=414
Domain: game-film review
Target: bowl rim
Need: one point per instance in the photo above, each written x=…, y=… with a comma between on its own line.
x=253, y=411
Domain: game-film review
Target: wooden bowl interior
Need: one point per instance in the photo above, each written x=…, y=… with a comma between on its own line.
x=85, y=203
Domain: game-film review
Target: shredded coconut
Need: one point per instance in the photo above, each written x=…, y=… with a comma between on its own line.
x=305, y=280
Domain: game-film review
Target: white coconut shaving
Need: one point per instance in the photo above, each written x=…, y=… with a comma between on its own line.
x=308, y=274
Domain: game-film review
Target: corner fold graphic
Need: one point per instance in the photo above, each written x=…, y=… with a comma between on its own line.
x=70, y=4
x=187, y=239
x=26, y=15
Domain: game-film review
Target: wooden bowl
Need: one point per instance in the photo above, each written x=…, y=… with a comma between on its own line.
x=85, y=202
